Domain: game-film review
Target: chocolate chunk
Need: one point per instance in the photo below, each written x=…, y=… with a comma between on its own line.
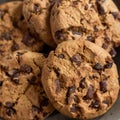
x=35, y=118
x=90, y=38
x=76, y=30
x=1, y=118
x=113, y=53
x=36, y=8
x=74, y=108
x=95, y=104
x=45, y=102
x=101, y=9
x=6, y=36
x=103, y=86
x=10, y=111
x=98, y=66
x=90, y=93
x=1, y=82
x=35, y=109
x=60, y=35
x=61, y=56
x=77, y=59
x=58, y=87
x=32, y=80
x=107, y=39
x=9, y=104
x=108, y=65
x=26, y=69
x=115, y=15
x=15, y=46
x=82, y=83
x=28, y=40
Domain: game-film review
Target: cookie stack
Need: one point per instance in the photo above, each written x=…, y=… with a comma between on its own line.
x=57, y=54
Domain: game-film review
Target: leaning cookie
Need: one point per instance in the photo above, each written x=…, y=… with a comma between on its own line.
x=22, y=96
x=80, y=79
x=37, y=15
x=14, y=34
x=71, y=20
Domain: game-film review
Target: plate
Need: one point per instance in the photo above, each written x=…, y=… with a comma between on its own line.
x=114, y=112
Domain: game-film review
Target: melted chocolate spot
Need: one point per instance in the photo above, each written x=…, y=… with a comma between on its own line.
x=36, y=8
x=26, y=69
x=9, y=104
x=35, y=109
x=77, y=59
x=95, y=104
x=103, y=86
x=108, y=65
x=104, y=46
x=107, y=39
x=61, y=56
x=60, y=35
x=113, y=53
x=90, y=38
x=101, y=9
x=10, y=111
x=115, y=15
x=82, y=83
x=1, y=83
x=45, y=102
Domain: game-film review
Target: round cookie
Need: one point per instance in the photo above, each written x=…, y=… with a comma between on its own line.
x=37, y=14
x=80, y=79
x=14, y=34
x=21, y=94
x=71, y=20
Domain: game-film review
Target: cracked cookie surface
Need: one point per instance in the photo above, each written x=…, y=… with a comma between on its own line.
x=37, y=15
x=74, y=19
x=80, y=79
x=21, y=94
x=14, y=34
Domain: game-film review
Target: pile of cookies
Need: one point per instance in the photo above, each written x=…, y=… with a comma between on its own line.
x=57, y=54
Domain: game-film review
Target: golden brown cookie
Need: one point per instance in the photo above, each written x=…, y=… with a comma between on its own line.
x=80, y=79
x=21, y=94
x=37, y=15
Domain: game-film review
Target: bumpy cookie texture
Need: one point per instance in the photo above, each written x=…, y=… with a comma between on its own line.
x=73, y=19
x=37, y=15
x=80, y=79
x=21, y=94
x=14, y=34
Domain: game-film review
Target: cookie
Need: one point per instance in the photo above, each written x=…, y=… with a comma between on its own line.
x=37, y=13
x=80, y=79
x=21, y=94
x=14, y=34
x=71, y=20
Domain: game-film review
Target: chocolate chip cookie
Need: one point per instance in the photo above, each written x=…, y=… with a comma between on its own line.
x=80, y=79
x=14, y=34
x=21, y=94
x=37, y=14
x=74, y=19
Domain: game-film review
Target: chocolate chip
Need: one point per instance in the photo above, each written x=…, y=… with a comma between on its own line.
x=60, y=35
x=104, y=46
x=58, y=87
x=115, y=15
x=57, y=71
x=9, y=104
x=32, y=80
x=90, y=93
x=28, y=40
x=86, y=7
x=26, y=69
x=103, y=86
x=74, y=108
x=100, y=8
x=1, y=118
x=112, y=52
x=45, y=102
x=107, y=39
x=76, y=30
x=108, y=65
x=61, y=56
x=77, y=59
x=35, y=109
x=90, y=38
x=82, y=83
x=98, y=66
x=10, y=111
x=36, y=8
x=15, y=46
x=1, y=82
x=95, y=104
x=35, y=118
x=76, y=99
x=6, y=36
